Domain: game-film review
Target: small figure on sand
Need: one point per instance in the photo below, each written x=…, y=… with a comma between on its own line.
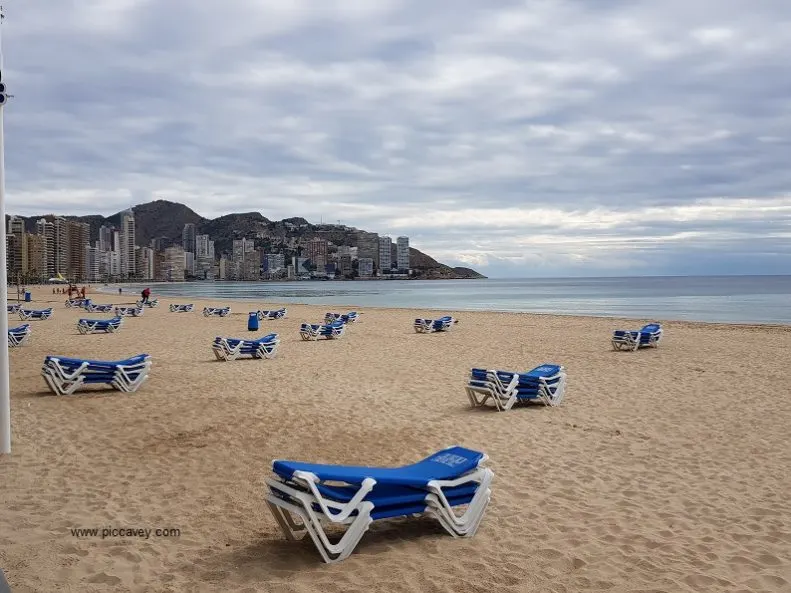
x=120, y=290
x=145, y=294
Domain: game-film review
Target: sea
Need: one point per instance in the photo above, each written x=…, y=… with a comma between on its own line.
x=726, y=299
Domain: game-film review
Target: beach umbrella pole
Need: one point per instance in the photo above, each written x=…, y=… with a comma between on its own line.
x=5, y=373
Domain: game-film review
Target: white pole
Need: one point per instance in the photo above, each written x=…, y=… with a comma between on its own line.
x=5, y=372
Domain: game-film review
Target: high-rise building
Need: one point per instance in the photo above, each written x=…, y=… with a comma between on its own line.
x=188, y=238
x=402, y=253
x=146, y=263
x=105, y=238
x=365, y=267
x=345, y=265
x=93, y=257
x=127, y=251
x=36, y=257
x=16, y=256
x=46, y=230
x=16, y=226
x=79, y=235
x=317, y=252
x=204, y=257
x=171, y=266
x=60, y=244
x=368, y=246
x=274, y=262
x=385, y=254
x=189, y=263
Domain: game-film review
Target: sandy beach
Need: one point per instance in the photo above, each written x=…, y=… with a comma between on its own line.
x=662, y=470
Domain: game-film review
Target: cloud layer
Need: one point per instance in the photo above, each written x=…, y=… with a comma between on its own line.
x=533, y=138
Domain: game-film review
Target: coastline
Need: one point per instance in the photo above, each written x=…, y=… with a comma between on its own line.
x=627, y=319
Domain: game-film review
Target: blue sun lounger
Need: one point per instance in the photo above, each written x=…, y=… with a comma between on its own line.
x=151, y=304
x=276, y=314
x=647, y=337
x=26, y=314
x=425, y=326
x=182, y=308
x=18, y=335
x=80, y=303
x=355, y=496
x=128, y=311
x=216, y=311
x=350, y=317
x=330, y=331
x=232, y=348
x=13, y=308
x=65, y=375
x=91, y=326
x=97, y=308
x=545, y=384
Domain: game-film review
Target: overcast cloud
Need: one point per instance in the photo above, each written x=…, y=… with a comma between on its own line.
x=533, y=138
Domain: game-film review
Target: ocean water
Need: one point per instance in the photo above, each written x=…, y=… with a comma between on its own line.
x=730, y=299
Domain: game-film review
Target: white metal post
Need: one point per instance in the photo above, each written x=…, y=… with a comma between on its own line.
x=5, y=372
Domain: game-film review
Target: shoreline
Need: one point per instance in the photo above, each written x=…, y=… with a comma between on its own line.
x=625, y=319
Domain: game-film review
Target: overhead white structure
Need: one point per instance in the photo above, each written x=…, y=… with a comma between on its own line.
x=5, y=379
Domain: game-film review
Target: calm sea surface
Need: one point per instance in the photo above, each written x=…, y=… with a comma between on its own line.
x=738, y=299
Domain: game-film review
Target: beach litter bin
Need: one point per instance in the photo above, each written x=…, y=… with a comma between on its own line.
x=28, y=296
x=252, y=321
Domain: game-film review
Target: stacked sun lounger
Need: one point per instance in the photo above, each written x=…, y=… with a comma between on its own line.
x=152, y=303
x=216, y=311
x=233, y=348
x=26, y=314
x=95, y=308
x=182, y=308
x=545, y=384
x=13, y=308
x=18, y=335
x=128, y=311
x=65, y=375
x=451, y=485
x=425, y=326
x=278, y=314
x=330, y=331
x=647, y=337
x=76, y=302
x=350, y=317
x=91, y=326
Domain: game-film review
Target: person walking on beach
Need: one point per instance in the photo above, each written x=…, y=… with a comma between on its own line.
x=145, y=294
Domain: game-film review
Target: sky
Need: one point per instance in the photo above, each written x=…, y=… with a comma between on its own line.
x=524, y=139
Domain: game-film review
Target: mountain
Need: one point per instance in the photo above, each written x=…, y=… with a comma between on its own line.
x=162, y=219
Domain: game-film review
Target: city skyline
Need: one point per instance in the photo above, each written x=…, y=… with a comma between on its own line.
x=62, y=248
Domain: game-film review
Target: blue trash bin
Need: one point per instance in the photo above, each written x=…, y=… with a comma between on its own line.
x=28, y=296
x=252, y=321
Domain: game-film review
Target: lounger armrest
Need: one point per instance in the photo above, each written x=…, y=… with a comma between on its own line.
x=344, y=511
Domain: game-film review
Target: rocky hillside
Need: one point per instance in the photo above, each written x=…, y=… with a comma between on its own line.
x=165, y=220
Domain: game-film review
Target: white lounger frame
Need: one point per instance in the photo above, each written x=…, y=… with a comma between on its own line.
x=630, y=342
x=128, y=311
x=505, y=396
x=182, y=308
x=28, y=314
x=18, y=339
x=464, y=525
x=224, y=351
x=65, y=383
x=92, y=326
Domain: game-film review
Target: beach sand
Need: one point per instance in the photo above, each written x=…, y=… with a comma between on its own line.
x=663, y=470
